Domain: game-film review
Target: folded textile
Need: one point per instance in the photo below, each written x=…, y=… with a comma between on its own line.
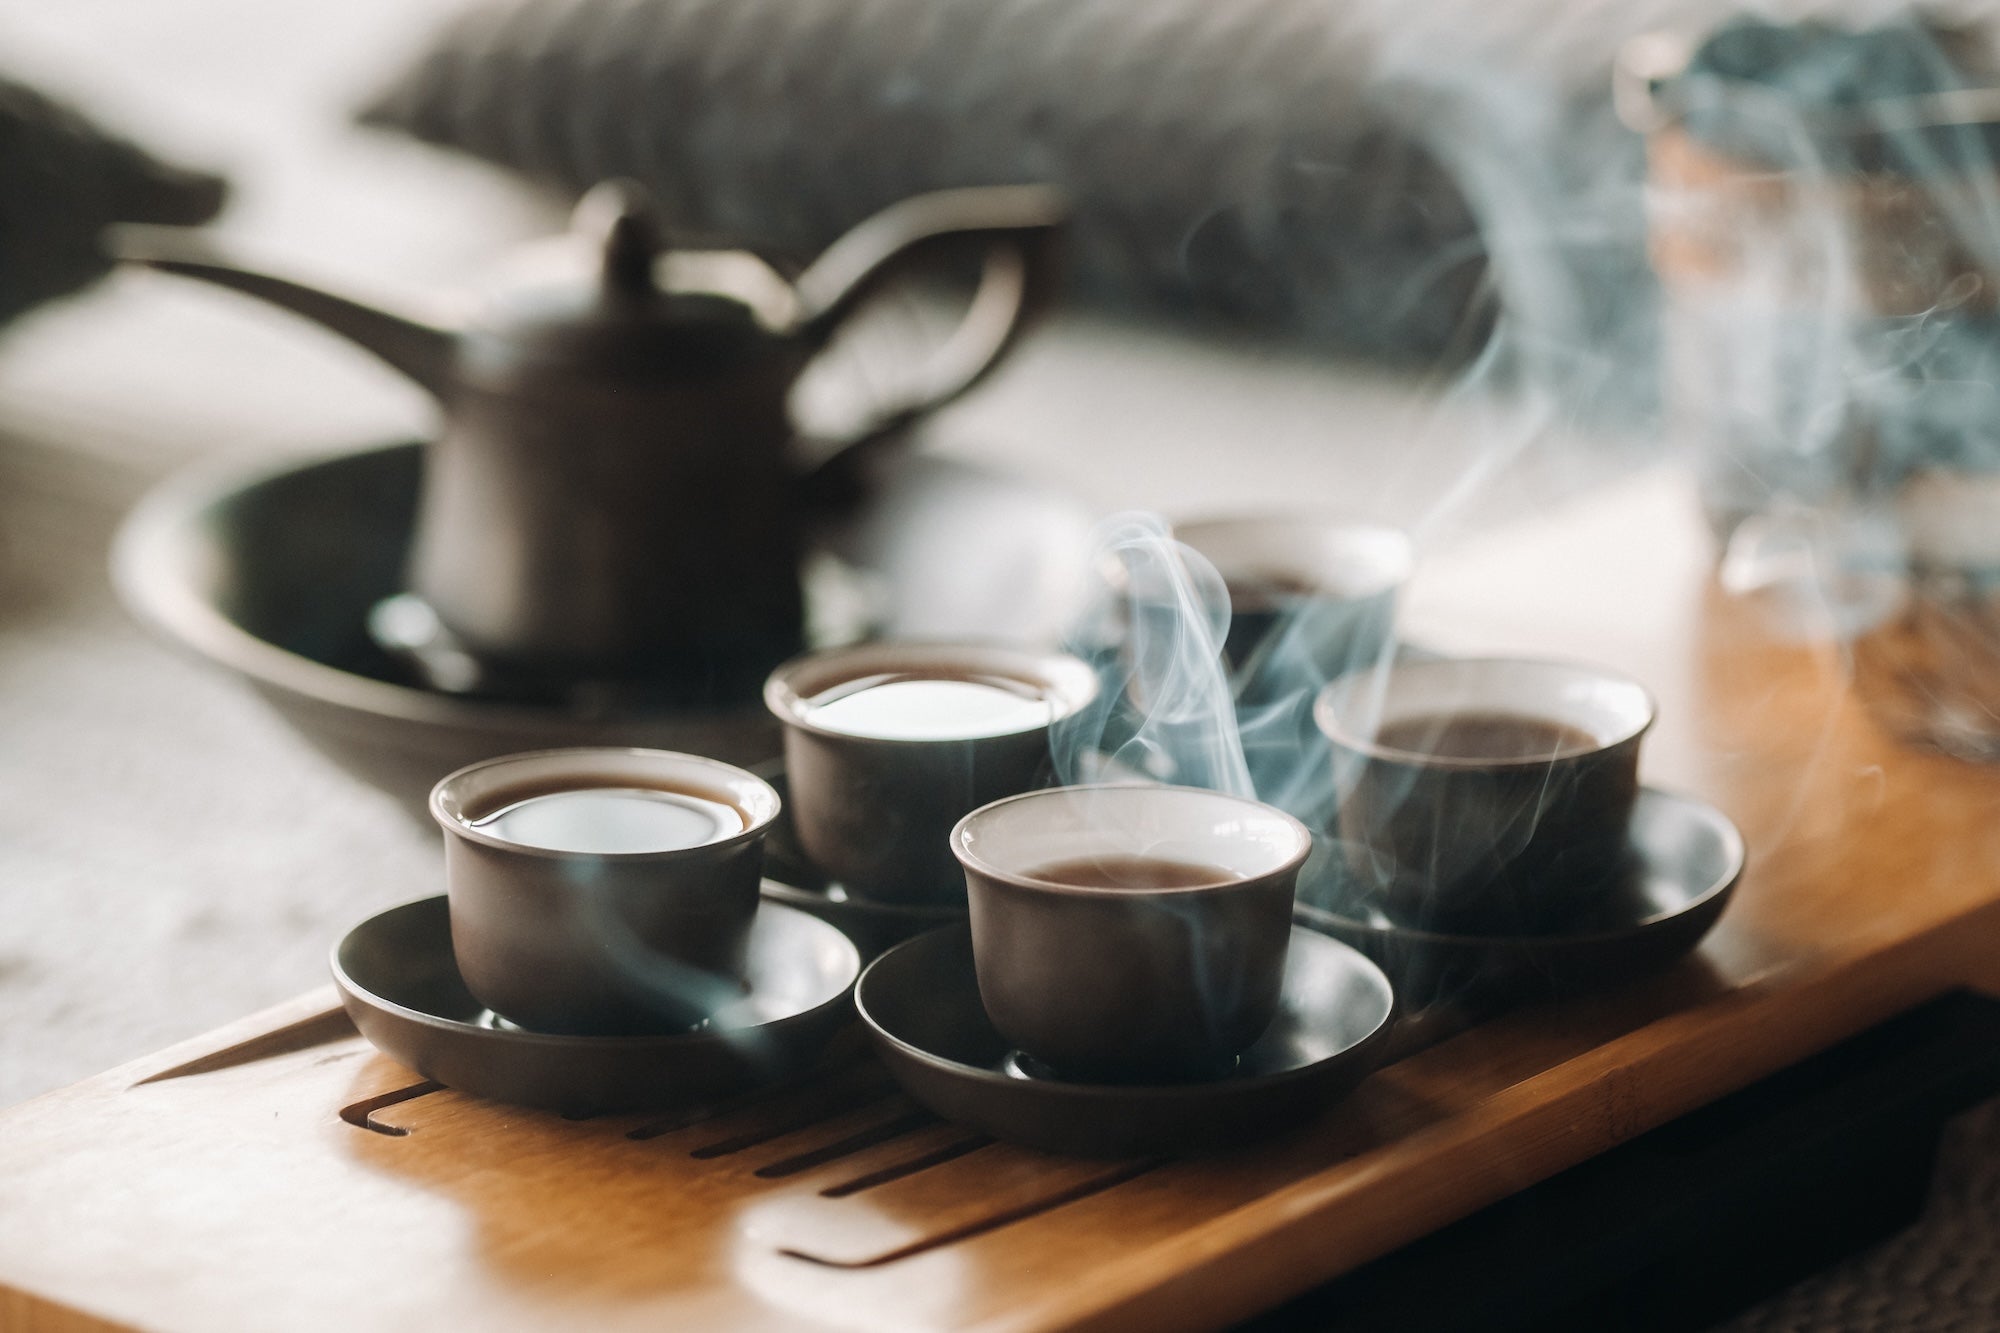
x=1224, y=159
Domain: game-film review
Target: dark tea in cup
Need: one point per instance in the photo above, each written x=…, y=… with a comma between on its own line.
x=1485, y=795
x=1485, y=735
x=1122, y=870
x=1311, y=597
x=603, y=890
x=1130, y=933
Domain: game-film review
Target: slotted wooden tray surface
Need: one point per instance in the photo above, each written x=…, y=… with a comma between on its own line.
x=280, y=1173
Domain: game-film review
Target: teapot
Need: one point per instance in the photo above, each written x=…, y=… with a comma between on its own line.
x=618, y=492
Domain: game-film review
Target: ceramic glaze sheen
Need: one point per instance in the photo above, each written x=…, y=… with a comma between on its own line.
x=613, y=820
x=927, y=709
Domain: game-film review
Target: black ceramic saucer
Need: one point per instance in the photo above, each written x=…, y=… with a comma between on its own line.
x=401, y=986
x=920, y=1002
x=1686, y=859
x=791, y=879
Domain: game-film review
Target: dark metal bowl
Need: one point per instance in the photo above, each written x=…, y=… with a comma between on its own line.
x=273, y=573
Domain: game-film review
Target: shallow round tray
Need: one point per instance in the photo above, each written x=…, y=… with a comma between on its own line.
x=1687, y=859
x=272, y=572
x=401, y=986
x=920, y=1002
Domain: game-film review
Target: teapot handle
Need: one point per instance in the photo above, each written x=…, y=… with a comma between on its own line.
x=1020, y=227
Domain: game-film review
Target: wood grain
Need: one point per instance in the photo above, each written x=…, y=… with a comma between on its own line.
x=234, y=1194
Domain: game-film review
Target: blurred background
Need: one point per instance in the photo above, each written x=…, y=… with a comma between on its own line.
x=172, y=855
x=1382, y=259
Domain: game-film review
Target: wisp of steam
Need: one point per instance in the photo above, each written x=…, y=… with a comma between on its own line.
x=1832, y=347
x=1845, y=442
x=1173, y=708
x=1153, y=628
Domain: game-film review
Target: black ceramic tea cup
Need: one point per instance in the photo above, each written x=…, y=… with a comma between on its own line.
x=878, y=771
x=1485, y=795
x=1311, y=597
x=1130, y=933
x=600, y=890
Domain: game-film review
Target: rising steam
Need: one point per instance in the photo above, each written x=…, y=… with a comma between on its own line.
x=1785, y=263
x=1807, y=313
x=1153, y=628
x=1172, y=707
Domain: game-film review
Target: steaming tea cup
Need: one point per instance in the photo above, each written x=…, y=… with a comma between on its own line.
x=1310, y=597
x=1130, y=933
x=888, y=744
x=601, y=890
x=1485, y=795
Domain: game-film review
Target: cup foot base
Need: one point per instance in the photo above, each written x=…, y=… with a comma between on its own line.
x=494, y=1022
x=1019, y=1064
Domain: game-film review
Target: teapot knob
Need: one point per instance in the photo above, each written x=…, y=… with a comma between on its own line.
x=618, y=220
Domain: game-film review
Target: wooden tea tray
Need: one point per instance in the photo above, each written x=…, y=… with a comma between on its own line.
x=279, y=1173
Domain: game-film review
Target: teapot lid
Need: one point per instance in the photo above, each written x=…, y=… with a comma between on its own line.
x=607, y=299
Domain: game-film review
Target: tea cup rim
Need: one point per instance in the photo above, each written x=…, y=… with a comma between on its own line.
x=757, y=821
x=973, y=861
x=1397, y=544
x=1332, y=728
x=1067, y=680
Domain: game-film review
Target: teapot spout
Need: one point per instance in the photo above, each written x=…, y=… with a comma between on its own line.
x=420, y=350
